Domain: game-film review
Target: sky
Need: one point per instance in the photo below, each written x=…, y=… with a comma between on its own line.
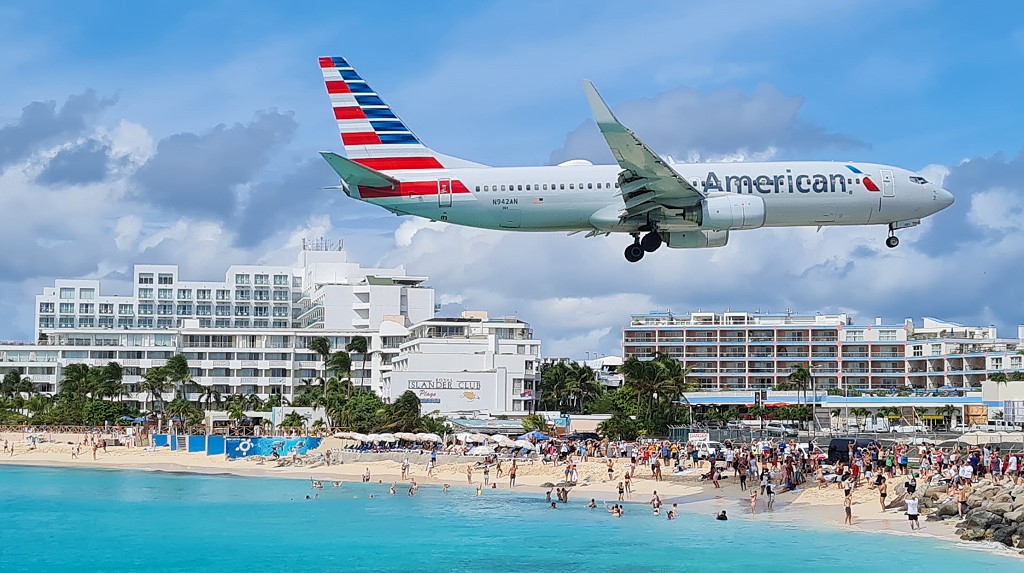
x=187, y=133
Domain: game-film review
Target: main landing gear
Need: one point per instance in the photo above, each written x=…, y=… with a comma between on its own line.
x=648, y=244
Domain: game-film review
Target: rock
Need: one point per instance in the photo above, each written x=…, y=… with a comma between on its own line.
x=973, y=534
x=975, y=503
x=947, y=509
x=1014, y=516
x=984, y=519
x=999, y=508
x=1002, y=535
x=1002, y=498
x=547, y=484
x=959, y=531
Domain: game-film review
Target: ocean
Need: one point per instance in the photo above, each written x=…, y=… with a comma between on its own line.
x=112, y=520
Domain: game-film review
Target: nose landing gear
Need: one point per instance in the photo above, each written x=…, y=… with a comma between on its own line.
x=892, y=242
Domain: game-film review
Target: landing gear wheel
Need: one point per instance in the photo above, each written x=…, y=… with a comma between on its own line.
x=892, y=242
x=651, y=242
x=634, y=252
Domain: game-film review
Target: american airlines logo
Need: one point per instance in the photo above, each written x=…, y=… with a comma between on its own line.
x=787, y=183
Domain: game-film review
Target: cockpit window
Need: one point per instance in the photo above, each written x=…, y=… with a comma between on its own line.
x=918, y=180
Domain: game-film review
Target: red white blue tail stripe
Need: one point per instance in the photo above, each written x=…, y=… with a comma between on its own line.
x=370, y=131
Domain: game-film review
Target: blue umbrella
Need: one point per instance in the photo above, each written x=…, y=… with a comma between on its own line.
x=129, y=418
x=535, y=436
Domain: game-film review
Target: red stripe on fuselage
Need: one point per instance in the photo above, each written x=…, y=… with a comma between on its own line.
x=361, y=138
x=870, y=184
x=326, y=63
x=408, y=189
x=337, y=87
x=392, y=163
x=352, y=112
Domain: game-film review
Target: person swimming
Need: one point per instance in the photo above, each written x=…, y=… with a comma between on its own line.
x=553, y=506
x=592, y=504
x=722, y=516
x=444, y=488
x=394, y=488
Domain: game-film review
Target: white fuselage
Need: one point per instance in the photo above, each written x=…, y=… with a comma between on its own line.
x=586, y=197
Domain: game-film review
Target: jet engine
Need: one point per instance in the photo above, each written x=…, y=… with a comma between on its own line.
x=697, y=239
x=727, y=212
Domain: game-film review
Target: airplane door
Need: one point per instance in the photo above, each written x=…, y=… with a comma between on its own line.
x=888, y=185
x=444, y=192
x=510, y=218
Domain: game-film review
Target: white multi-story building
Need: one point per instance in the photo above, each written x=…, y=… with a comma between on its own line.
x=742, y=350
x=246, y=334
x=469, y=365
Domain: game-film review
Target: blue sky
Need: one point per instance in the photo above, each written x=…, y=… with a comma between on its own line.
x=189, y=135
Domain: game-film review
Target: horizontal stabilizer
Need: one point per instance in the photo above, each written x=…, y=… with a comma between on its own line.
x=355, y=175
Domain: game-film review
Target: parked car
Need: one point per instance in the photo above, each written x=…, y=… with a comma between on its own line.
x=708, y=449
x=994, y=426
x=908, y=429
x=780, y=430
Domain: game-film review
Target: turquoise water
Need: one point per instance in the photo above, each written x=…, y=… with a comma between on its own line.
x=94, y=520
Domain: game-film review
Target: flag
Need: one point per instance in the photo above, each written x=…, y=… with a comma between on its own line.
x=538, y=201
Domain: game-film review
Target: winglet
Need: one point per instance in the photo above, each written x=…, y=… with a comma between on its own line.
x=602, y=113
x=355, y=175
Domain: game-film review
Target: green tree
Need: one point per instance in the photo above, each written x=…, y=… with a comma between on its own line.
x=361, y=346
x=947, y=412
x=293, y=420
x=321, y=345
x=209, y=394
x=177, y=373
x=620, y=427
x=365, y=412
x=14, y=384
x=155, y=383
x=76, y=380
x=860, y=414
x=800, y=377
x=404, y=413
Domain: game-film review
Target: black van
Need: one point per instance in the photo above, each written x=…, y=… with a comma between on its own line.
x=839, y=448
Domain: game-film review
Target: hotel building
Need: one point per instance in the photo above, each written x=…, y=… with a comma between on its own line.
x=744, y=350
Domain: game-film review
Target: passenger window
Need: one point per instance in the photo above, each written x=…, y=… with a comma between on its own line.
x=477, y=188
x=616, y=184
x=527, y=186
x=572, y=186
x=520, y=187
x=590, y=185
x=561, y=186
x=598, y=185
x=502, y=187
x=858, y=181
x=545, y=186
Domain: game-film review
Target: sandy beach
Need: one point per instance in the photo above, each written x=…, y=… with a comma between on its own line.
x=810, y=506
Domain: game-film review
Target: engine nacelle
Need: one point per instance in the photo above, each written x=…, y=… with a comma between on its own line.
x=696, y=239
x=728, y=212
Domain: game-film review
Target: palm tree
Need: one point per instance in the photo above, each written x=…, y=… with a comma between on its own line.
x=760, y=412
x=340, y=363
x=359, y=345
x=947, y=412
x=860, y=414
x=209, y=394
x=800, y=377
x=114, y=379
x=177, y=372
x=76, y=380
x=919, y=411
x=321, y=345
x=154, y=383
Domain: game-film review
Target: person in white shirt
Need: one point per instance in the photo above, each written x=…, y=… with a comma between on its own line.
x=913, y=510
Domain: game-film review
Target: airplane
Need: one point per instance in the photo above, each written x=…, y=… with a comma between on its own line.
x=657, y=202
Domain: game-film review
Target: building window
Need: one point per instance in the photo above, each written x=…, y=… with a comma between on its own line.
x=241, y=311
x=145, y=278
x=203, y=310
x=87, y=293
x=261, y=323
x=124, y=309
x=67, y=308
x=184, y=294
x=280, y=280
x=887, y=336
x=145, y=323
x=281, y=295
x=165, y=309
x=46, y=322
x=855, y=336
x=936, y=349
x=242, y=323
x=241, y=279
x=85, y=308
x=223, y=294
x=261, y=311
x=165, y=279
x=223, y=323
x=46, y=307
x=124, y=322
x=106, y=322
x=997, y=363
x=281, y=311
x=185, y=309
x=145, y=293
x=262, y=279
x=106, y=308
x=203, y=294
x=165, y=294
x=164, y=322
x=86, y=322
x=223, y=310
x=280, y=324
x=67, y=293
x=243, y=294
x=145, y=308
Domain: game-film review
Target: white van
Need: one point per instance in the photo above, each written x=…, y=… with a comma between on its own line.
x=994, y=426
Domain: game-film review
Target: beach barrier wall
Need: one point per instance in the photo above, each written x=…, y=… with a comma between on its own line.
x=160, y=440
x=415, y=458
x=173, y=442
x=196, y=444
x=237, y=448
x=215, y=445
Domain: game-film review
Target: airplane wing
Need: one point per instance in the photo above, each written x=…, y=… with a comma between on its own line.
x=647, y=182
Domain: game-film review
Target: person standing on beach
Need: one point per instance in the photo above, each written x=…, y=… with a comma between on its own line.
x=621, y=489
x=405, y=469
x=469, y=474
x=848, y=507
x=512, y=475
x=627, y=481
x=753, y=501
x=487, y=475
x=912, y=513
x=883, y=490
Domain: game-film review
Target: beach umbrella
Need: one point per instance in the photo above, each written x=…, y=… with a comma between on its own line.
x=536, y=436
x=357, y=436
x=389, y=438
x=463, y=436
x=477, y=438
x=429, y=437
x=523, y=444
x=409, y=437
x=481, y=451
x=502, y=440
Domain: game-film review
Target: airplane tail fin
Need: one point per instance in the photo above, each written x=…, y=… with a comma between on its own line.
x=373, y=136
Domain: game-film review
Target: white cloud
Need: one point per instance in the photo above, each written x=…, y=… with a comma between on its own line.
x=997, y=209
